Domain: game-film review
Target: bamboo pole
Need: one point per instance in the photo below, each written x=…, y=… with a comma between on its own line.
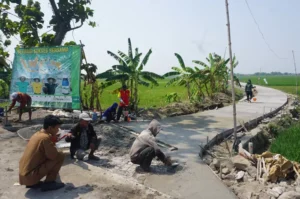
x=231, y=72
x=295, y=74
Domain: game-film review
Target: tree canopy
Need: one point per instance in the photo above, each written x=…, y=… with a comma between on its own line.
x=27, y=21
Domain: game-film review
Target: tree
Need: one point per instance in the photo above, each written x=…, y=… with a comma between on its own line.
x=129, y=71
x=216, y=72
x=183, y=75
x=68, y=15
x=4, y=90
x=5, y=70
x=30, y=20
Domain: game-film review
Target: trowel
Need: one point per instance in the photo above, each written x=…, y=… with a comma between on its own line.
x=174, y=164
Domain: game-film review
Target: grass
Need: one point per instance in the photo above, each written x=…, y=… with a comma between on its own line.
x=288, y=143
x=284, y=83
x=4, y=104
x=149, y=97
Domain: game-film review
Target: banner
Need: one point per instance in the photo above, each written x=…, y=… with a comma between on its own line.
x=50, y=75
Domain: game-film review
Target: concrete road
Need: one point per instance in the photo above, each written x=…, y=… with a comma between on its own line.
x=187, y=132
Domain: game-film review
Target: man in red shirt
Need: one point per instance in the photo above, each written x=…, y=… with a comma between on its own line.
x=25, y=102
x=124, y=96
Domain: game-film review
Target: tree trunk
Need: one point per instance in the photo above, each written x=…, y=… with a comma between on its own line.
x=136, y=95
x=207, y=91
x=92, y=96
x=131, y=89
x=188, y=90
x=63, y=28
x=86, y=99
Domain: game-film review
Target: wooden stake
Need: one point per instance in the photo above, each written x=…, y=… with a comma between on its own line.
x=243, y=125
x=228, y=149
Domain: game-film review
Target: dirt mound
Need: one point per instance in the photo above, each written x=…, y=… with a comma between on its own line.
x=176, y=109
x=218, y=100
x=115, y=141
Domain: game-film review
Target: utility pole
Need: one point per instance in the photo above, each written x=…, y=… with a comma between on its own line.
x=231, y=74
x=295, y=74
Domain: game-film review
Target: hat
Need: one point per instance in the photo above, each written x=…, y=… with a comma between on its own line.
x=36, y=78
x=14, y=95
x=85, y=116
x=51, y=78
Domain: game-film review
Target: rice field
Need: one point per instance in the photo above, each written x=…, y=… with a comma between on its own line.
x=286, y=83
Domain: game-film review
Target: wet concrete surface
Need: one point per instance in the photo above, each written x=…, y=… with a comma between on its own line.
x=187, y=132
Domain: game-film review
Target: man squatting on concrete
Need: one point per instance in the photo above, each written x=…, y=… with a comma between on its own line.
x=82, y=138
x=41, y=158
x=145, y=148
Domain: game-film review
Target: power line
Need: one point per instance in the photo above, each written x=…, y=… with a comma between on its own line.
x=263, y=37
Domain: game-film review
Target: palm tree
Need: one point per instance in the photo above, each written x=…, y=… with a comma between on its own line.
x=129, y=71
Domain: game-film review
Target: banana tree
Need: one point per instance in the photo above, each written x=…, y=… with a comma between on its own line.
x=191, y=78
x=182, y=73
x=89, y=77
x=129, y=71
x=215, y=71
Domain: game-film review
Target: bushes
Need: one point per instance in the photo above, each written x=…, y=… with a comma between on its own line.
x=4, y=90
x=276, y=127
x=288, y=143
x=172, y=97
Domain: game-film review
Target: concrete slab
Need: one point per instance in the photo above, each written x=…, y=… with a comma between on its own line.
x=187, y=132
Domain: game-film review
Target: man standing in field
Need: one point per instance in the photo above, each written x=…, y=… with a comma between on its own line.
x=25, y=102
x=124, y=96
x=41, y=158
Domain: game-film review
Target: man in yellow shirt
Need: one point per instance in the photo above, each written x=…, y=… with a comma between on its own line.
x=37, y=86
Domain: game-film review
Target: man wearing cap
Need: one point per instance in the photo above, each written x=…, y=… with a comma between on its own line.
x=25, y=102
x=41, y=158
x=124, y=96
x=82, y=138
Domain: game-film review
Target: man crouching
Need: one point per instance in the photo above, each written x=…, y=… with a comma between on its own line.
x=145, y=148
x=41, y=158
x=82, y=138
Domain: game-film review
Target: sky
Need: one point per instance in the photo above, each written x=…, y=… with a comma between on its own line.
x=193, y=29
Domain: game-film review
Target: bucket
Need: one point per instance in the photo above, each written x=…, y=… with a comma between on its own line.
x=1, y=112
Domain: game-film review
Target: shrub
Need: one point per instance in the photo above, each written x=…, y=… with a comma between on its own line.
x=274, y=129
x=288, y=143
x=172, y=97
x=4, y=90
